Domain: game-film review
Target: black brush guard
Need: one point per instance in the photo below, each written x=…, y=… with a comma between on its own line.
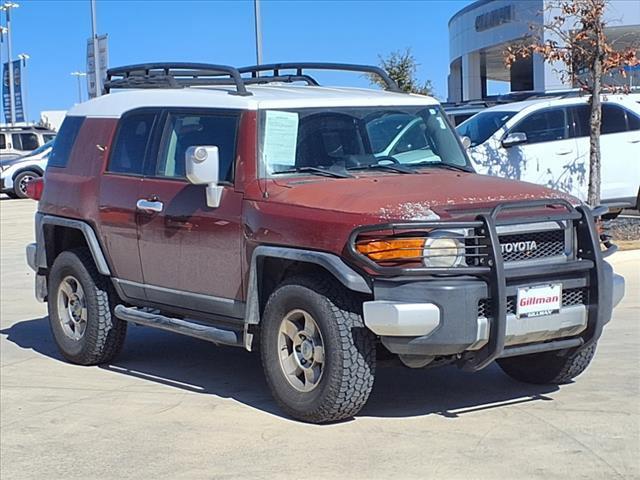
x=589, y=259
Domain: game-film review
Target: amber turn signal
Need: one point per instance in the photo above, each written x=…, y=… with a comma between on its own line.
x=395, y=249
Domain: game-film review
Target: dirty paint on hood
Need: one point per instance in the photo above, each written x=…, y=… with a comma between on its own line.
x=426, y=196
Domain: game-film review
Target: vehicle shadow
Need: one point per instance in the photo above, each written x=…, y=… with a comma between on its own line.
x=197, y=366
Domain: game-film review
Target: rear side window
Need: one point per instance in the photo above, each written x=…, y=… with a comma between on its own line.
x=613, y=119
x=189, y=130
x=3, y=144
x=130, y=147
x=544, y=126
x=65, y=140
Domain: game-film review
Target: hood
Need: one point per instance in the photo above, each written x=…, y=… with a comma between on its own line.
x=406, y=197
x=30, y=157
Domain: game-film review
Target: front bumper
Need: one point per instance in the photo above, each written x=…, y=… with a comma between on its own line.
x=442, y=317
x=437, y=312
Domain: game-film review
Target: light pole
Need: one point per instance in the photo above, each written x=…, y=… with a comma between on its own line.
x=79, y=75
x=258, y=28
x=7, y=6
x=96, y=60
x=24, y=57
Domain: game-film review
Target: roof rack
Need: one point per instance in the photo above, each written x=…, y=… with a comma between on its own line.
x=174, y=75
x=299, y=67
x=180, y=75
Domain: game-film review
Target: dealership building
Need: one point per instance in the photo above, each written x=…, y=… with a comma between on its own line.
x=480, y=33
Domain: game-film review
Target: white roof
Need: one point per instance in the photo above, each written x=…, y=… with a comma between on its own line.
x=263, y=97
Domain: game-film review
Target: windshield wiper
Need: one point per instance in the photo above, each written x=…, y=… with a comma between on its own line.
x=458, y=168
x=392, y=167
x=315, y=171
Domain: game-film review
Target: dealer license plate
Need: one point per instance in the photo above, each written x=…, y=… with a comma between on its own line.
x=539, y=300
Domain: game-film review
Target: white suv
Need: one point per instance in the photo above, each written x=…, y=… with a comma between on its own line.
x=16, y=173
x=547, y=142
x=19, y=140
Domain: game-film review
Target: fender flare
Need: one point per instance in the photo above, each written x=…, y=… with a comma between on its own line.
x=332, y=263
x=30, y=168
x=92, y=240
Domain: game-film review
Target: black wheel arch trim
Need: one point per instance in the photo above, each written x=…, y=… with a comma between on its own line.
x=30, y=168
x=90, y=236
x=330, y=262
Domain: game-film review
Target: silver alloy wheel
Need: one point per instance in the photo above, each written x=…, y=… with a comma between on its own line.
x=72, y=308
x=22, y=185
x=301, y=350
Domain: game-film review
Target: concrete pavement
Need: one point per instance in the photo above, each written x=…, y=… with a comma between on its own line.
x=175, y=407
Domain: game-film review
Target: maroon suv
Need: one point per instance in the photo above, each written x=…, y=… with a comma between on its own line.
x=326, y=226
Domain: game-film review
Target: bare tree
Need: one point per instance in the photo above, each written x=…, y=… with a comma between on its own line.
x=577, y=42
x=401, y=67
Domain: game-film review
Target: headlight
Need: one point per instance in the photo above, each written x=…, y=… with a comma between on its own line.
x=444, y=249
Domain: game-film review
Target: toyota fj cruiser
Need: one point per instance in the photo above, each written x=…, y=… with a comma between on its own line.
x=323, y=226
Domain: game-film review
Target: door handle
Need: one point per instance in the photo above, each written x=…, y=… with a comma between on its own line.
x=564, y=152
x=147, y=206
x=635, y=140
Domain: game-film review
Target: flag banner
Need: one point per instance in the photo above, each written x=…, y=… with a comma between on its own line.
x=17, y=92
x=103, y=61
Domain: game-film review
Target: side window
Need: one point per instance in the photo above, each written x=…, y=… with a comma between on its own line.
x=581, y=115
x=633, y=121
x=188, y=130
x=3, y=144
x=544, y=126
x=65, y=140
x=613, y=119
x=48, y=137
x=16, y=141
x=130, y=145
x=29, y=141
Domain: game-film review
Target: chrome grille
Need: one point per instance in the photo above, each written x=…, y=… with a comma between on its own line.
x=549, y=243
x=570, y=296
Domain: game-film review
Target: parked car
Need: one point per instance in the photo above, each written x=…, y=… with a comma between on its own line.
x=547, y=142
x=16, y=173
x=16, y=141
x=458, y=113
x=263, y=215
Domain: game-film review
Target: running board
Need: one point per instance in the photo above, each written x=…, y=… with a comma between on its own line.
x=184, y=327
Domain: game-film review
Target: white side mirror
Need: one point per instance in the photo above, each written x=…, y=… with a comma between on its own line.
x=203, y=167
x=514, y=138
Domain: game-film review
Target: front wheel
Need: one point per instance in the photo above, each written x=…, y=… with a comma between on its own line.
x=548, y=367
x=21, y=181
x=318, y=358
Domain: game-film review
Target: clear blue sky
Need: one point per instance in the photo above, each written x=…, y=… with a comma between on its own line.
x=54, y=34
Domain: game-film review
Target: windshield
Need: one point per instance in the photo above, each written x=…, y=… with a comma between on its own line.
x=349, y=138
x=482, y=125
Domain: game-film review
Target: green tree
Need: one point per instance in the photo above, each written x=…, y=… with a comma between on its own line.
x=576, y=42
x=402, y=67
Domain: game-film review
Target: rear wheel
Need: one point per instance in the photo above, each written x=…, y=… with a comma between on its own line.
x=21, y=181
x=318, y=358
x=81, y=316
x=548, y=367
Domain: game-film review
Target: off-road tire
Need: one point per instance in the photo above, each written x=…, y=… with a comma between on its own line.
x=350, y=350
x=548, y=367
x=16, y=182
x=104, y=334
